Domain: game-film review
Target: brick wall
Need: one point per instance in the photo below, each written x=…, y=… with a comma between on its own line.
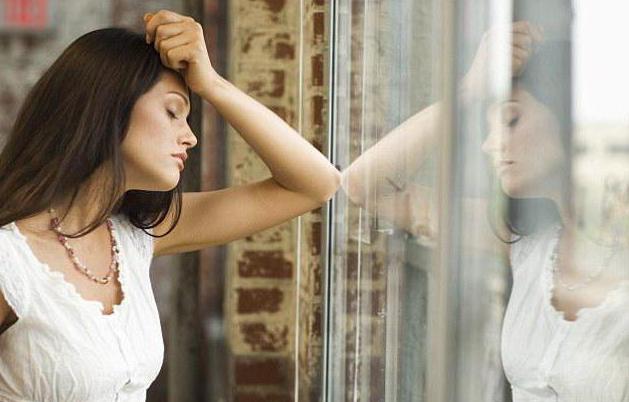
x=259, y=309
x=273, y=307
x=309, y=341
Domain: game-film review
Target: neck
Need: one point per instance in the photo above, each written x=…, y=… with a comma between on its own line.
x=85, y=210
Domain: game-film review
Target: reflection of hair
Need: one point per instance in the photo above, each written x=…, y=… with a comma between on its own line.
x=73, y=121
x=546, y=77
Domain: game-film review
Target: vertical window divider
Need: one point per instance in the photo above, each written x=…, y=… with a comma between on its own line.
x=443, y=283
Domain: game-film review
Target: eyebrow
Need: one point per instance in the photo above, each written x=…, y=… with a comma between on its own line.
x=507, y=102
x=180, y=94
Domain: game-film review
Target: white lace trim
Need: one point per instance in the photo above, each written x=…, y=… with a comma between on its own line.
x=68, y=289
x=612, y=298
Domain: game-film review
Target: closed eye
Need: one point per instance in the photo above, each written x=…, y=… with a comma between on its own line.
x=514, y=121
x=172, y=115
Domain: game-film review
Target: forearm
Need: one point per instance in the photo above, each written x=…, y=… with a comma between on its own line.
x=389, y=164
x=294, y=163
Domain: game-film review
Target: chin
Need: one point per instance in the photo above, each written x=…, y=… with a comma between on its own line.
x=516, y=187
x=162, y=184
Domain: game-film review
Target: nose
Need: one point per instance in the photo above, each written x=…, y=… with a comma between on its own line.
x=190, y=139
x=493, y=144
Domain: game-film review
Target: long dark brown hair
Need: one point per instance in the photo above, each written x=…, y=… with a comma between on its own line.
x=73, y=122
x=547, y=76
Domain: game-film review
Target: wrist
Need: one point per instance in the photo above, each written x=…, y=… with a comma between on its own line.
x=213, y=85
x=469, y=89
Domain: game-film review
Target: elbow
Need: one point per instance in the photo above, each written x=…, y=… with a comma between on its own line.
x=332, y=184
x=352, y=187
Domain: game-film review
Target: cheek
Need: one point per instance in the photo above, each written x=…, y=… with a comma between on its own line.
x=537, y=145
x=147, y=134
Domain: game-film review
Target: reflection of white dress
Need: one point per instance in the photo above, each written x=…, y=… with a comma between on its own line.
x=62, y=349
x=547, y=358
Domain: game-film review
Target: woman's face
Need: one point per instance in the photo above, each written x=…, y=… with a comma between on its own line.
x=158, y=130
x=524, y=146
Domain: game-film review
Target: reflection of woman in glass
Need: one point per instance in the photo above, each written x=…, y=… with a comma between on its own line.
x=101, y=141
x=566, y=330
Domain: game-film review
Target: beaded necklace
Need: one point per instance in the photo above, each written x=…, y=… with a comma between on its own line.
x=113, y=267
x=554, y=258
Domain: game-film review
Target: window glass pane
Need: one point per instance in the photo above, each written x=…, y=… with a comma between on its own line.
x=480, y=240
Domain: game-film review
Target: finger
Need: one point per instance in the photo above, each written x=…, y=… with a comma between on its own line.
x=520, y=27
x=517, y=65
x=168, y=30
x=176, y=41
x=538, y=33
x=522, y=41
x=178, y=57
x=162, y=17
x=520, y=54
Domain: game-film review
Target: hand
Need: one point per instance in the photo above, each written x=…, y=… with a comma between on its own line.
x=524, y=38
x=181, y=45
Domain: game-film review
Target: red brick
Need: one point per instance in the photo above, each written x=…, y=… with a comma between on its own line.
x=273, y=87
x=263, y=397
x=275, y=6
x=317, y=319
x=376, y=270
x=317, y=110
x=264, y=264
x=315, y=238
x=259, y=300
x=264, y=338
x=372, y=329
x=376, y=374
x=318, y=27
x=317, y=70
x=376, y=299
x=317, y=280
x=284, y=50
x=262, y=371
x=280, y=111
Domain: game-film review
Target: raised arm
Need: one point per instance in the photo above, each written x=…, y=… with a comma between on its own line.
x=301, y=177
x=387, y=168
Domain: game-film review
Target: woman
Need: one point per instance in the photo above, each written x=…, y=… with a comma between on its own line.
x=565, y=334
x=96, y=155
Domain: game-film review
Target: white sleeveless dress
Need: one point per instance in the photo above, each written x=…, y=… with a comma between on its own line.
x=547, y=358
x=62, y=348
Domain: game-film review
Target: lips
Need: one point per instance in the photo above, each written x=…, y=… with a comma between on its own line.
x=181, y=158
x=503, y=165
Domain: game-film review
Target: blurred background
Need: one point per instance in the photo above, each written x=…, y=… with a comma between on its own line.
x=356, y=301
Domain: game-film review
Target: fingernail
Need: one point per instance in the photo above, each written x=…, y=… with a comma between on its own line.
x=147, y=39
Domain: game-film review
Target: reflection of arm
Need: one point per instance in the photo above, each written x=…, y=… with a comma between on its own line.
x=393, y=159
x=386, y=171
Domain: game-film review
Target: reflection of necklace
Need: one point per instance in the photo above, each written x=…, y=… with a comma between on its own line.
x=554, y=258
x=113, y=267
